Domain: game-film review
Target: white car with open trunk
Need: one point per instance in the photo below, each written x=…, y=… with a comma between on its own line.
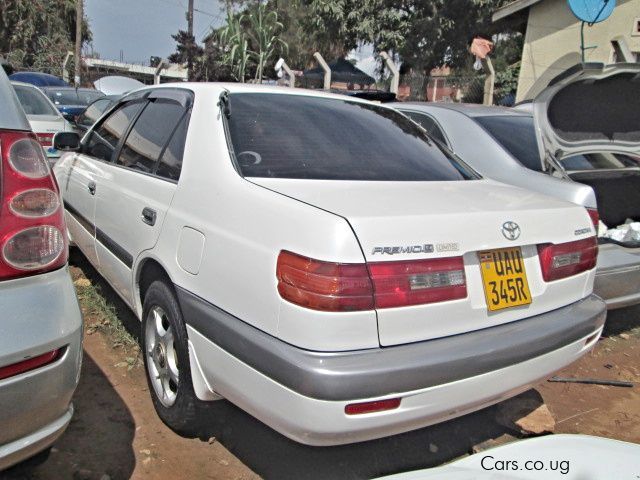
x=322, y=264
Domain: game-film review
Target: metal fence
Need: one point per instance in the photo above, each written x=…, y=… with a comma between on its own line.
x=450, y=88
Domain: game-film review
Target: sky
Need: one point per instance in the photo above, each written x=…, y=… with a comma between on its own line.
x=142, y=28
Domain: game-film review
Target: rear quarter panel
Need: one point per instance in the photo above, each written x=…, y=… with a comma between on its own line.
x=245, y=226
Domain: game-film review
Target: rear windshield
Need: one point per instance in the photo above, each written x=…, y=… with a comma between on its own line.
x=33, y=101
x=600, y=161
x=73, y=97
x=517, y=134
x=294, y=136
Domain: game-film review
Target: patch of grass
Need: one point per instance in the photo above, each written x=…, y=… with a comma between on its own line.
x=100, y=315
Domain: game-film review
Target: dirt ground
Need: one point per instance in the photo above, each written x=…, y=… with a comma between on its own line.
x=115, y=433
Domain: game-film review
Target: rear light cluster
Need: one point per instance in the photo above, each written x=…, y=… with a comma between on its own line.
x=338, y=287
x=567, y=259
x=45, y=139
x=30, y=364
x=595, y=218
x=32, y=229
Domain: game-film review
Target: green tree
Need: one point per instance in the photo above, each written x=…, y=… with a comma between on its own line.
x=37, y=34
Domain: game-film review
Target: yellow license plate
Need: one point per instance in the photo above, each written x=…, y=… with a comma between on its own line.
x=504, y=278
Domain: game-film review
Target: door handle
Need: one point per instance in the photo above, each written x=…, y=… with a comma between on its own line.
x=149, y=216
x=92, y=188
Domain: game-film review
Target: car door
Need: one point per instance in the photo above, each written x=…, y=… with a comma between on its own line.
x=135, y=191
x=80, y=177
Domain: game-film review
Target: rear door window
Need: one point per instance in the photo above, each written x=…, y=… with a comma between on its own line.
x=104, y=139
x=517, y=134
x=304, y=137
x=170, y=163
x=150, y=133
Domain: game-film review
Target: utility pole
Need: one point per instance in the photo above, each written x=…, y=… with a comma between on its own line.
x=78, y=52
x=191, y=41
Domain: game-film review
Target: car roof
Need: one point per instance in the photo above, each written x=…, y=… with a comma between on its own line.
x=38, y=78
x=468, y=109
x=12, y=115
x=83, y=89
x=213, y=87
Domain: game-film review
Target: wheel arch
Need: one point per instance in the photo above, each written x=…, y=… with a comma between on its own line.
x=148, y=270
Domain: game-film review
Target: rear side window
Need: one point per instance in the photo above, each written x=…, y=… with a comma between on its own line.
x=517, y=134
x=33, y=101
x=294, y=136
x=149, y=135
x=105, y=138
x=429, y=124
x=93, y=112
x=599, y=161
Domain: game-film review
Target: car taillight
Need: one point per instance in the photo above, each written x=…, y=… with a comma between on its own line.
x=595, y=218
x=334, y=287
x=398, y=284
x=567, y=259
x=32, y=229
x=342, y=287
x=30, y=364
x=45, y=139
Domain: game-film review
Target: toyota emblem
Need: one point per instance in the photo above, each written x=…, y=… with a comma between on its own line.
x=510, y=230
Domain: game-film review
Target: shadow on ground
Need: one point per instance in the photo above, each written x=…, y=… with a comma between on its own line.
x=622, y=320
x=101, y=430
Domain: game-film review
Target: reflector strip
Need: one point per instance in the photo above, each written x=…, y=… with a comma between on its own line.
x=30, y=364
x=371, y=407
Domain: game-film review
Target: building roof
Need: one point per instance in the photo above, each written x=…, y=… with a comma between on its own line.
x=511, y=8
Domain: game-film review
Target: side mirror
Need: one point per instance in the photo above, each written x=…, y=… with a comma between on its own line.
x=66, y=141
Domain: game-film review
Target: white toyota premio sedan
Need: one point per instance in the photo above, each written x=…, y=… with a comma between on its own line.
x=318, y=261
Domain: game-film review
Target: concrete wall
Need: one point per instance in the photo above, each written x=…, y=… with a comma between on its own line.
x=552, y=41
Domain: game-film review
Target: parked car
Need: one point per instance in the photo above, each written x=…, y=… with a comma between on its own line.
x=38, y=79
x=41, y=341
x=44, y=118
x=321, y=263
x=570, y=148
x=94, y=111
x=71, y=101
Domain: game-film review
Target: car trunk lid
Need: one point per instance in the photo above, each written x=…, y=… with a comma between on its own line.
x=449, y=219
x=589, y=108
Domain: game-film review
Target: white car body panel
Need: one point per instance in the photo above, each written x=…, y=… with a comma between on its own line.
x=410, y=210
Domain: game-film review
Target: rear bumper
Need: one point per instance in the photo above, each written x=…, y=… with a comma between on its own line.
x=28, y=446
x=303, y=394
x=617, y=279
x=39, y=314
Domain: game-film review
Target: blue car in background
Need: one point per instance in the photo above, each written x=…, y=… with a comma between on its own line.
x=71, y=101
x=38, y=79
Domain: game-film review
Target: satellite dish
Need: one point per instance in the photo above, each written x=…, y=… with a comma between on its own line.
x=279, y=63
x=592, y=11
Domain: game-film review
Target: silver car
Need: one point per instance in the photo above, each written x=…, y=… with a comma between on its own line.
x=579, y=141
x=41, y=340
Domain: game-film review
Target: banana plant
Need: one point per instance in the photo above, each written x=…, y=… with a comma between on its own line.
x=264, y=33
x=236, y=46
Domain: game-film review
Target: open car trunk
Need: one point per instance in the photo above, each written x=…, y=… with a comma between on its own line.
x=592, y=108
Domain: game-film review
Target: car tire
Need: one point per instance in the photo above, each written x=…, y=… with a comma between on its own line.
x=166, y=359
